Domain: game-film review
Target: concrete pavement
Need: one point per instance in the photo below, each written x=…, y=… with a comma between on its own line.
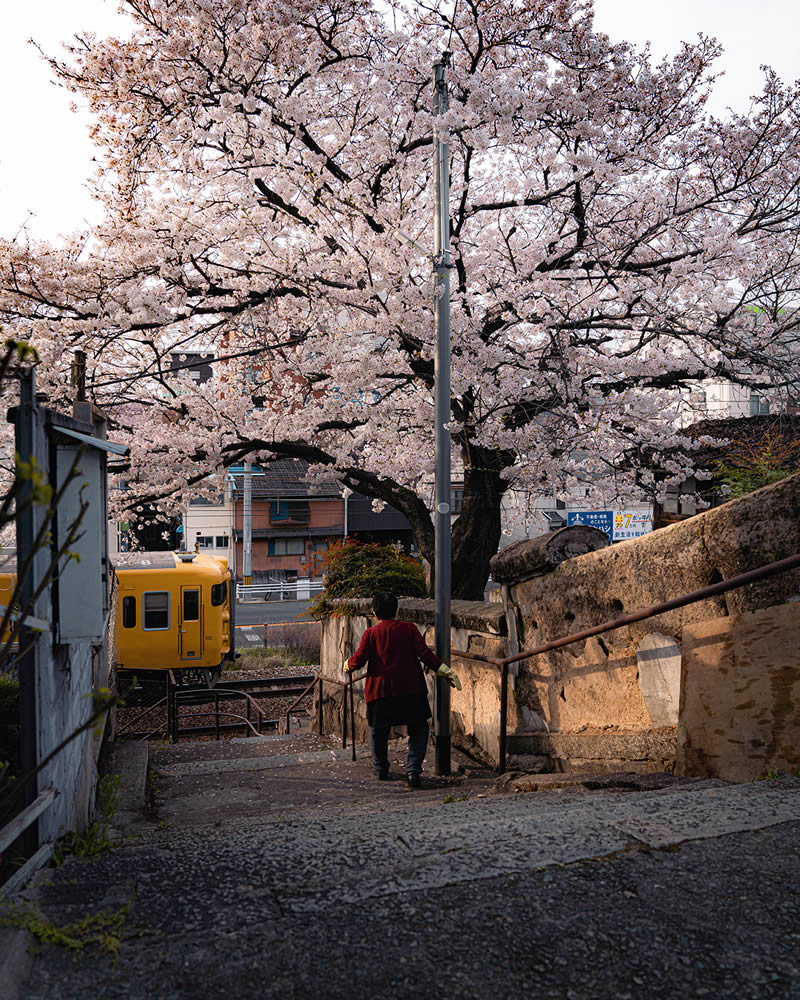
x=275, y=868
x=269, y=612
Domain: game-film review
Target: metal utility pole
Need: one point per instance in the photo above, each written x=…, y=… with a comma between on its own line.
x=441, y=270
x=247, y=526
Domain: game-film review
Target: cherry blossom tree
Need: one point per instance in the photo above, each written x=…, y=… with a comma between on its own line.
x=266, y=170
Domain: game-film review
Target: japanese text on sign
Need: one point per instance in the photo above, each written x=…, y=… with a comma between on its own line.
x=617, y=524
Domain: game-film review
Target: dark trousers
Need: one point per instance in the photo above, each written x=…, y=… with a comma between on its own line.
x=417, y=745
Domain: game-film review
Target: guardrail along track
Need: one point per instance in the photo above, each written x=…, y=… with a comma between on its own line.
x=279, y=688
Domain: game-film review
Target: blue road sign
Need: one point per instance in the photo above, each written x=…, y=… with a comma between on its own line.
x=602, y=519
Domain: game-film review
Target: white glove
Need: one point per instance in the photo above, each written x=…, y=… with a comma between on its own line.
x=449, y=675
x=347, y=668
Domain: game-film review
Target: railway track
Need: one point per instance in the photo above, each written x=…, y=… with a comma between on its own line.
x=168, y=702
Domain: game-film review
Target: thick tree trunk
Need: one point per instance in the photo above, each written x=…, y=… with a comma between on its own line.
x=477, y=531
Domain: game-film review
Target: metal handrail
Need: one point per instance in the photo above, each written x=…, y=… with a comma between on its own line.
x=233, y=715
x=23, y=821
x=296, y=702
x=214, y=694
x=713, y=590
x=348, y=684
x=17, y=826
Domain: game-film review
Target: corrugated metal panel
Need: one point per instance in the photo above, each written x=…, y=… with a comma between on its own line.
x=92, y=441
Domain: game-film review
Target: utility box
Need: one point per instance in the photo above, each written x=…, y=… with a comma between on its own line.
x=82, y=583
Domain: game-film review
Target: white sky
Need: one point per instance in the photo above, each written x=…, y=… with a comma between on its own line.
x=45, y=153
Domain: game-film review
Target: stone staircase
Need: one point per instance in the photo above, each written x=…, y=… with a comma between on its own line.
x=593, y=750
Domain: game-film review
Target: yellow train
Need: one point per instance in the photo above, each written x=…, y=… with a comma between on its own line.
x=174, y=612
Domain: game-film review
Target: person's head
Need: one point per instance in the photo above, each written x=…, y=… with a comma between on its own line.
x=384, y=605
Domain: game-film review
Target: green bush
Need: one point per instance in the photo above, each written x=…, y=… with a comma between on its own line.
x=353, y=569
x=9, y=696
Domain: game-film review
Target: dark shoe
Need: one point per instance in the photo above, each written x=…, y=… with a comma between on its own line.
x=413, y=781
x=383, y=775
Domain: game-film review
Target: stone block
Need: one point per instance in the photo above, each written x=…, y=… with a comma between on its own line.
x=568, y=751
x=533, y=556
x=659, y=660
x=598, y=681
x=740, y=692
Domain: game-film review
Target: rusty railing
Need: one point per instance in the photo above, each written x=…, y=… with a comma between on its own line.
x=348, y=694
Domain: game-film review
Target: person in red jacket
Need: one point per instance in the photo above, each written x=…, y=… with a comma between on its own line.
x=395, y=688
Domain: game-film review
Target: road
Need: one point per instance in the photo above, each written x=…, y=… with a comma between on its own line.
x=266, y=612
x=251, y=616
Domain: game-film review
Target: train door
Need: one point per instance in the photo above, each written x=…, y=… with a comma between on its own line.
x=191, y=631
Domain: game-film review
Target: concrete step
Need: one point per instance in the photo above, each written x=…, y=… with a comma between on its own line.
x=648, y=750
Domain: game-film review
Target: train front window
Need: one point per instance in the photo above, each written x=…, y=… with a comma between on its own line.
x=128, y=612
x=219, y=592
x=155, y=610
x=191, y=605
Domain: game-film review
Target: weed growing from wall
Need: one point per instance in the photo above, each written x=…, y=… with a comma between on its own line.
x=94, y=839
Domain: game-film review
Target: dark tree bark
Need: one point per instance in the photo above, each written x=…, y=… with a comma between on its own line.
x=477, y=530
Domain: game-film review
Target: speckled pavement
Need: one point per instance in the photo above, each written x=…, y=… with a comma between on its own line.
x=311, y=879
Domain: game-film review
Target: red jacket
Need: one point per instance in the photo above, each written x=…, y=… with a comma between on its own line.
x=392, y=651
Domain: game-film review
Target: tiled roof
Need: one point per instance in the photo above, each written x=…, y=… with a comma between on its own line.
x=284, y=478
x=744, y=431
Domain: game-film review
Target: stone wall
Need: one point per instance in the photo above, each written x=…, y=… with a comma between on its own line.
x=619, y=685
x=596, y=684
x=740, y=695
x=475, y=709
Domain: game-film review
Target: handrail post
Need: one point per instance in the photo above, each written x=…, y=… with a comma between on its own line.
x=344, y=718
x=503, y=716
x=172, y=697
x=352, y=719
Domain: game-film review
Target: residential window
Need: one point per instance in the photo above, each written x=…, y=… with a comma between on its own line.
x=289, y=510
x=155, y=610
x=205, y=541
x=286, y=547
x=456, y=500
x=759, y=406
x=221, y=541
x=128, y=612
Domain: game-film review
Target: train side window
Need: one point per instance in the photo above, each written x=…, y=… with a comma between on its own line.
x=155, y=610
x=219, y=592
x=128, y=612
x=191, y=605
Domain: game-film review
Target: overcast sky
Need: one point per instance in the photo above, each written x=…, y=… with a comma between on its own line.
x=45, y=153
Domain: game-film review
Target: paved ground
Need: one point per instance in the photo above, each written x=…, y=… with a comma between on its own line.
x=267, y=612
x=275, y=868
